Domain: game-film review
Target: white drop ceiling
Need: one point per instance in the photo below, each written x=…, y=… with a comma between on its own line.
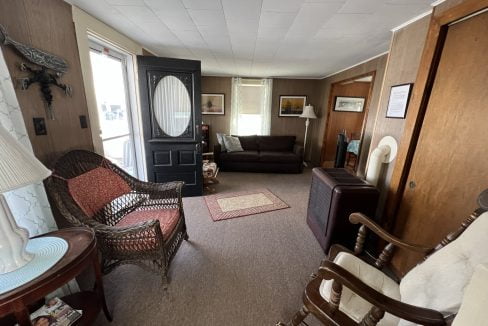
x=261, y=38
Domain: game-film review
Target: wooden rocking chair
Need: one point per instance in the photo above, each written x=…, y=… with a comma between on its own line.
x=348, y=291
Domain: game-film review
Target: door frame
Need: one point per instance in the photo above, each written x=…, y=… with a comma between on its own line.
x=429, y=62
x=134, y=115
x=330, y=108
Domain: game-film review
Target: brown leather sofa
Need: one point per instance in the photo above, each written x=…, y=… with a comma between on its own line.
x=277, y=154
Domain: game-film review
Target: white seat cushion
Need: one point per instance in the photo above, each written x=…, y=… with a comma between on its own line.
x=352, y=304
x=439, y=282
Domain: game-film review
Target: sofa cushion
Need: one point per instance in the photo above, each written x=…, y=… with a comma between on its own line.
x=278, y=157
x=220, y=140
x=232, y=144
x=352, y=304
x=443, y=277
x=246, y=156
x=276, y=143
x=249, y=143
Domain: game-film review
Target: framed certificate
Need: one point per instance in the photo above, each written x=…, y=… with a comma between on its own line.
x=398, y=102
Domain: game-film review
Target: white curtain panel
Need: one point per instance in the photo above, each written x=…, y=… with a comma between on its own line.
x=235, y=105
x=251, y=97
x=29, y=205
x=266, y=106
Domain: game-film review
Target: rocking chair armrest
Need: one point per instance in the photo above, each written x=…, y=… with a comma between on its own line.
x=331, y=271
x=360, y=218
x=140, y=230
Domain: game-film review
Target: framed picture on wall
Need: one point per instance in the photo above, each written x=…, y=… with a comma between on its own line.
x=213, y=104
x=292, y=105
x=349, y=104
x=398, y=102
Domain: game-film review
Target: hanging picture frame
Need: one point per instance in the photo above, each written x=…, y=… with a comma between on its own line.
x=213, y=104
x=292, y=105
x=398, y=101
x=349, y=104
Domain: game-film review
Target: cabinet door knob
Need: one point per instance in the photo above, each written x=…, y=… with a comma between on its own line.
x=412, y=184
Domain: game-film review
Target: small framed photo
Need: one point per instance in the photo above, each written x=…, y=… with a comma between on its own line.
x=398, y=102
x=291, y=105
x=349, y=104
x=213, y=104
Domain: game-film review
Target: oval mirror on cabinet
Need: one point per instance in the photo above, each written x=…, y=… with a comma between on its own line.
x=172, y=106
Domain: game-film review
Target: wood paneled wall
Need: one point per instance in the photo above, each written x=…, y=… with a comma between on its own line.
x=294, y=125
x=48, y=25
x=403, y=63
x=378, y=65
x=218, y=123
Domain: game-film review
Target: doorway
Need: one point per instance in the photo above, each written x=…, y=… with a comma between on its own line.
x=347, y=113
x=115, y=108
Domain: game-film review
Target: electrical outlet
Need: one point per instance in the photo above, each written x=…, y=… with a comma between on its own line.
x=83, y=122
x=40, y=126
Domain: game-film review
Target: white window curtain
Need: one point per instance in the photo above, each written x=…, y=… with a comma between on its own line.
x=29, y=205
x=251, y=106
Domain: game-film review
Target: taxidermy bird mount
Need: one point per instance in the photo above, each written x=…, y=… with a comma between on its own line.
x=52, y=67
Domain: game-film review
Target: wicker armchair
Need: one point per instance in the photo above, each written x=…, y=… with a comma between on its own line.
x=135, y=222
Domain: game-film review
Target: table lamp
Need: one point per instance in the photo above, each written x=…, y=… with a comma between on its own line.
x=308, y=113
x=18, y=168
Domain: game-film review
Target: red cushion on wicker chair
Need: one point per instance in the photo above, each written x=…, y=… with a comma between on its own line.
x=96, y=188
x=168, y=218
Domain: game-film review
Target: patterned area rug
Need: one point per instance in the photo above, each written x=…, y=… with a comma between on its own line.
x=236, y=204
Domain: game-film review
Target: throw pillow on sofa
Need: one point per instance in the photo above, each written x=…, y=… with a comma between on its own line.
x=220, y=140
x=232, y=144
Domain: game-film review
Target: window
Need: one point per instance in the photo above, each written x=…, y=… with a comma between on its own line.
x=251, y=106
x=110, y=78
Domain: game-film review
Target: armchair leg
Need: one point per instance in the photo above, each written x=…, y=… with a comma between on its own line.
x=186, y=236
x=299, y=316
x=164, y=281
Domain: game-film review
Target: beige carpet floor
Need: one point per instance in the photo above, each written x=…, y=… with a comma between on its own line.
x=242, y=271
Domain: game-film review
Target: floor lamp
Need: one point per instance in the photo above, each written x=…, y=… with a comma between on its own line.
x=308, y=113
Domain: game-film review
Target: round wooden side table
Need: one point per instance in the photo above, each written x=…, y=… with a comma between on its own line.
x=82, y=253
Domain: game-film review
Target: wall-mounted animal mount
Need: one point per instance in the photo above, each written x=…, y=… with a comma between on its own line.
x=52, y=68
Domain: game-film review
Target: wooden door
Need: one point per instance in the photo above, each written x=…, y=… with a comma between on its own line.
x=171, y=117
x=352, y=122
x=450, y=164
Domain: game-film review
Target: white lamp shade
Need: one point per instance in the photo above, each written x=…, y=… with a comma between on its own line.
x=308, y=113
x=18, y=167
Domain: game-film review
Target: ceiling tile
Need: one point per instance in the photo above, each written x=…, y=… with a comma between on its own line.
x=166, y=5
x=282, y=6
x=208, y=17
x=176, y=20
x=360, y=6
x=202, y=4
x=272, y=19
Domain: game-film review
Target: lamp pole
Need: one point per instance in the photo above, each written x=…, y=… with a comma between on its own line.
x=308, y=113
